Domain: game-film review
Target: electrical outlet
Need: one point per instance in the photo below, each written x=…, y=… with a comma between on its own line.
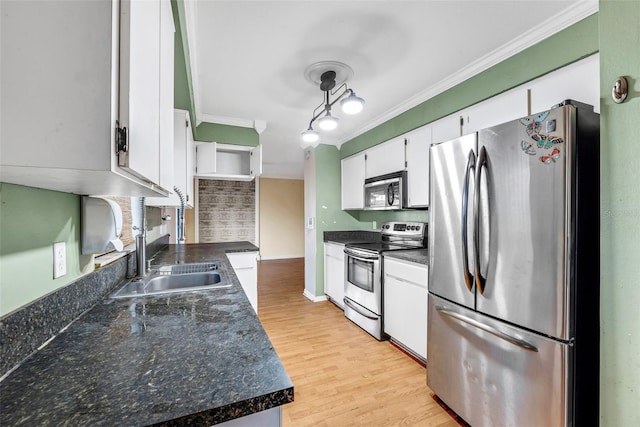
x=59, y=259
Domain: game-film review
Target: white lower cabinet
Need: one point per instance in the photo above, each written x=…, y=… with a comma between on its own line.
x=334, y=273
x=405, y=304
x=246, y=268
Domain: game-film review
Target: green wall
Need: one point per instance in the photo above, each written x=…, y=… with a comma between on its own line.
x=620, y=216
x=329, y=213
x=31, y=220
x=182, y=83
x=615, y=33
x=570, y=45
x=183, y=91
x=226, y=134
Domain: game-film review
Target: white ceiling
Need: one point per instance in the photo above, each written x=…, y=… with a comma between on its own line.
x=248, y=58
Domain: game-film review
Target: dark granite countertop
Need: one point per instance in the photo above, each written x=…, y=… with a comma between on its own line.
x=419, y=256
x=195, y=358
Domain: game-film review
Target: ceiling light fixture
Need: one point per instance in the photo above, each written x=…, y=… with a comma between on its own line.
x=350, y=103
x=310, y=135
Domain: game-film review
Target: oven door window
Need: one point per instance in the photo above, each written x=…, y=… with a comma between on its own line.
x=360, y=273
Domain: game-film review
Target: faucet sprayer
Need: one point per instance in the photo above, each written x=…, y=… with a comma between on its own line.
x=141, y=240
x=180, y=223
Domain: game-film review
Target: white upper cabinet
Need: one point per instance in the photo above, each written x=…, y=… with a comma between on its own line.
x=385, y=158
x=417, y=152
x=502, y=108
x=167, y=114
x=447, y=128
x=182, y=163
x=226, y=161
x=256, y=161
x=579, y=81
x=140, y=80
x=353, y=181
x=71, y=73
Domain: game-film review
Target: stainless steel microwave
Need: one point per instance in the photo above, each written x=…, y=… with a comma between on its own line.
x=386, y=192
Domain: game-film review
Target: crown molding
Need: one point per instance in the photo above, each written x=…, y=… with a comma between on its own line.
x=562, y=20
x=230, y=121
x=258, y=125
x=190, y=14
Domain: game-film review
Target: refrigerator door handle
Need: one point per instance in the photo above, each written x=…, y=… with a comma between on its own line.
x=471, y=164
x=482, y=161
x=493, y=331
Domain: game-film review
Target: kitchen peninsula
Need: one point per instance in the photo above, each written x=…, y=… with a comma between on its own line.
x=197, y=358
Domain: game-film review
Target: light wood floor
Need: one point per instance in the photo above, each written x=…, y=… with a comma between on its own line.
x=341, y=375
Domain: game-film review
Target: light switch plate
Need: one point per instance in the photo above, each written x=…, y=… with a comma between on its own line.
x=59, y=259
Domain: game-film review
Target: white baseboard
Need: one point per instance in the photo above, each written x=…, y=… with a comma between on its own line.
x=268, y=258
x=314, y=298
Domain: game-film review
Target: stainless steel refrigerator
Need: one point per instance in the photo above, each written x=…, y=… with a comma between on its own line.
x=513, y=324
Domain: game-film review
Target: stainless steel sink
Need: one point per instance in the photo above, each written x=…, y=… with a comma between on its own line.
x=163, y=284
x=199, y=267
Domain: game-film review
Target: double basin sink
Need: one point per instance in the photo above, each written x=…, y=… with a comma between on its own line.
x=174, y=278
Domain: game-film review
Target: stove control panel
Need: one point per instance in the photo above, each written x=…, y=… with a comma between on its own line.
x=404, y=228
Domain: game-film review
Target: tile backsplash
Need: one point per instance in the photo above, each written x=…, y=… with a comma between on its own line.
x=227, y=211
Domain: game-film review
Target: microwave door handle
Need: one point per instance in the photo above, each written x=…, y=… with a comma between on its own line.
x=482, y=163
x=471, y=164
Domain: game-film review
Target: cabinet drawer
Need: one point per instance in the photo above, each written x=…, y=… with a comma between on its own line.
x=407, y=271
x=335, y=250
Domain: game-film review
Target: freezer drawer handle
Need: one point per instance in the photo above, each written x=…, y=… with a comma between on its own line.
x=493, y=331
x=357, y=310
x=471, y=164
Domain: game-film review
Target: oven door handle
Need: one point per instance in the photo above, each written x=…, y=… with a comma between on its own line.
x=360, y=255
x=348, y=303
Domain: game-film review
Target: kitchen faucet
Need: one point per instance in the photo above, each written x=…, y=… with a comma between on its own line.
x=141, y=242
x=180, y=219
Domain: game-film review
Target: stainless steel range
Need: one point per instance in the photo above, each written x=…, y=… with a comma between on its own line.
x=363, y=272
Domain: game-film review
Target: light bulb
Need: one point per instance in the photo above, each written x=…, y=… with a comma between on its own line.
x=328, y=122
x=352, y=104
x=310, y=135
